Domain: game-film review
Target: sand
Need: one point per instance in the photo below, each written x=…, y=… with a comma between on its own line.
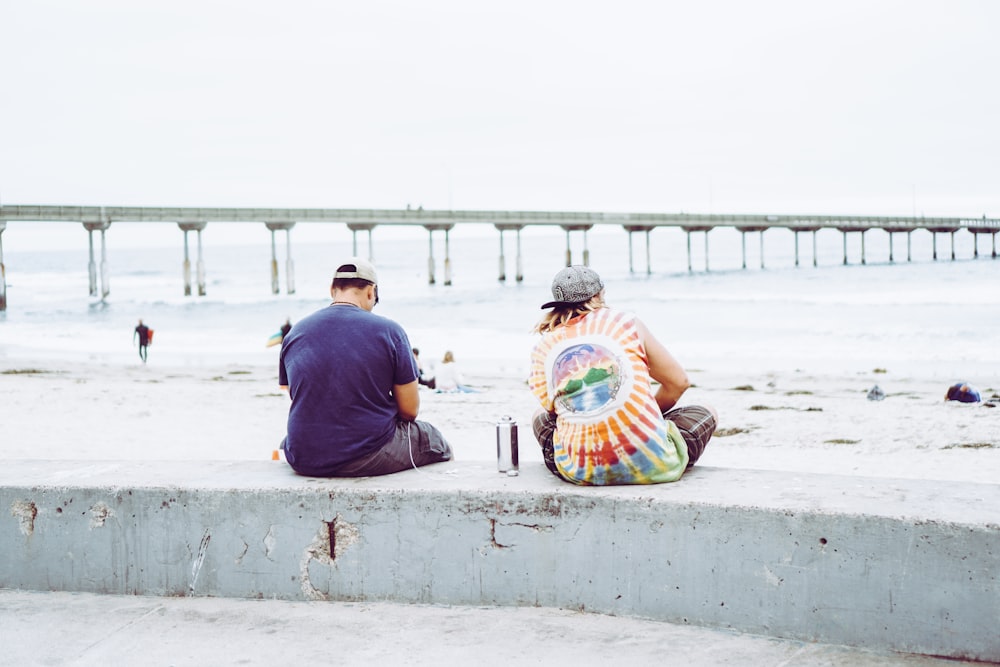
x=795, y=421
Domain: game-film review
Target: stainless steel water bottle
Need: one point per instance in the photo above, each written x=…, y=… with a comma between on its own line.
x=507, y=446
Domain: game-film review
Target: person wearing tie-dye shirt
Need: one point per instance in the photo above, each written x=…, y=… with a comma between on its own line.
x=601, y=421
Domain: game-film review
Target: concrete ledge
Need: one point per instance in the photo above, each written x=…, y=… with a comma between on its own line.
x=903, y=565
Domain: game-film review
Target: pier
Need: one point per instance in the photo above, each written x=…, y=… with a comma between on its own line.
x=101, y=218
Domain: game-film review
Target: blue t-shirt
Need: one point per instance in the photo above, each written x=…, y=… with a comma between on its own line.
x=340, y=365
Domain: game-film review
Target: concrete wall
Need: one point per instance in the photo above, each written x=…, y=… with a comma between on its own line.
x=905, y=565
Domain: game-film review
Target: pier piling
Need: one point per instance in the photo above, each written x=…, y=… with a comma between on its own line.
x=847, y=230
x=275, y=286
x=3, y=279
x=649, y=269
x=519, y=277
x=187, y=266
x=743, y=239
x=503, y=264
x=688, y=230
x=706, y=249
x=91, y=265
x=105, y=276
x=430, y=257
x=892, y=231
x=101, y=227
x=638, y=228
x=518, y=270
x=200, y=266
x=355, y=228
x=690, y=268
x=431, y=279
x=950, y=230
x=202, y=290
x=289, y=264
x=569, y=253
x=631, y=268
x=447, y=259
x=987, y=227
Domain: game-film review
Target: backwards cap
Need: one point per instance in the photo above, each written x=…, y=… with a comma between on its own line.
x=355, y=267
x=573, y=285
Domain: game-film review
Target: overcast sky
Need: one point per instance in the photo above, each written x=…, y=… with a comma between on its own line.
x=881, y=107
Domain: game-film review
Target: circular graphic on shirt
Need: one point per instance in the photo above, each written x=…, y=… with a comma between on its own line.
x=586, y=378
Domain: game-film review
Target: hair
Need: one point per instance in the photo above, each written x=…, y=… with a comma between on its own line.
x=448, y=357
x=349, y=283
x=560, y=315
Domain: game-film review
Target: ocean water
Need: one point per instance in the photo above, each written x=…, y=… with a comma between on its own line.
x=926, y=317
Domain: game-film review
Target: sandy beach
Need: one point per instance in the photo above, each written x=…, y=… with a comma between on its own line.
x=795, y=421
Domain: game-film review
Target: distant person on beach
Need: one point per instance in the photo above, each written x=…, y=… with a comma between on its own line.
x=422, y=378
x=601, y=420
x=352, y=378
x=278, y=338
x=141, y=332
x=963, y=393
x=449, y=377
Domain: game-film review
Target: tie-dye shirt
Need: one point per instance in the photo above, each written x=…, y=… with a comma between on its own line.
x=593, y=373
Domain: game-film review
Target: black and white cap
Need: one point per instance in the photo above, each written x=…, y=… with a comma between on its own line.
x=573, y=285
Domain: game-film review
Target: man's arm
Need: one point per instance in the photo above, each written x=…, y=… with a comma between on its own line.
x=664, y=369
x=407, y=400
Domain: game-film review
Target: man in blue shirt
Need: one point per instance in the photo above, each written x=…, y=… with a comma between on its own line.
x=352, y=379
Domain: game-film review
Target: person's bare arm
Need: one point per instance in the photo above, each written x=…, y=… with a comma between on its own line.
x=407, y=400
x=664, y=369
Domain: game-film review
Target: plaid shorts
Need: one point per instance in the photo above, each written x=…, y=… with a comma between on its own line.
x=695, y=423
